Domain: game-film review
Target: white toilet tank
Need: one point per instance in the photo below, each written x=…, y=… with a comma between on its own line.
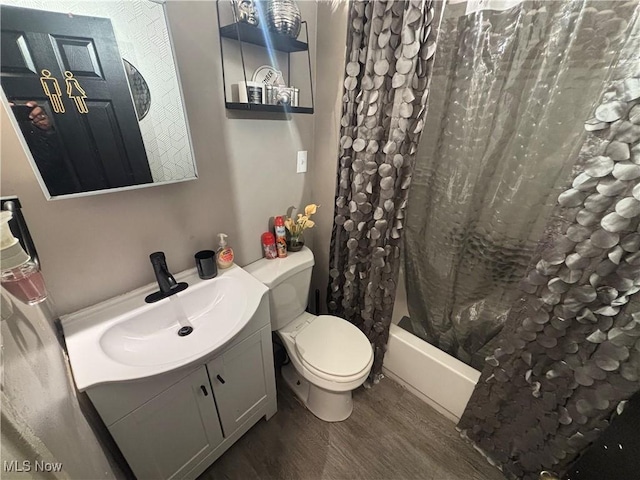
x=288, y=280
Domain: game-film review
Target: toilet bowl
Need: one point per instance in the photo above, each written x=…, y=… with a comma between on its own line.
x=329, y=357
x=325, y=367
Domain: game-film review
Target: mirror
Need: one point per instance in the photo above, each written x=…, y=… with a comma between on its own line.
x=95, y=94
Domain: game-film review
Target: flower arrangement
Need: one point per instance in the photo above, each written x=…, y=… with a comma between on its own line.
x=295, y=228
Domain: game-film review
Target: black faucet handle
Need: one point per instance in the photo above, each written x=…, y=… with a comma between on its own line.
x=165, y=280
x=158, y=258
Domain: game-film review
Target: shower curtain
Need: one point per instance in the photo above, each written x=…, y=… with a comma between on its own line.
x=504, y=128
x=390, y=49
x=523, y=226
x=569, y=355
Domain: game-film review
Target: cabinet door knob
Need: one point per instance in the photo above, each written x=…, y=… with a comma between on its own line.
x=204, y=390
x=220, y=378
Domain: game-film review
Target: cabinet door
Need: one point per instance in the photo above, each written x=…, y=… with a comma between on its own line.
x=239, y=381
x=168, y=435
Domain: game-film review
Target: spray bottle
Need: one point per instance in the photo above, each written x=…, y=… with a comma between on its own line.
x=20, y=275
x=281, y=237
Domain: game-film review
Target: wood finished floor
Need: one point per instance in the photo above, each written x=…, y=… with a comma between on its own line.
x=390, y=435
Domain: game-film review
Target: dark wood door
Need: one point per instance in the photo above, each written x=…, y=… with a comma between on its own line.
x=71, y=66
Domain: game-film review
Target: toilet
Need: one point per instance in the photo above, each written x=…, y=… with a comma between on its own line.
x=329, y=356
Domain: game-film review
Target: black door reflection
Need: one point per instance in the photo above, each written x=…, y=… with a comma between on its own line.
x=66, y=84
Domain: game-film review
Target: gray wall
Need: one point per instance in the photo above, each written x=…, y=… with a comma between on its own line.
x=331, y=38
x=94, y=248
x=41, y=416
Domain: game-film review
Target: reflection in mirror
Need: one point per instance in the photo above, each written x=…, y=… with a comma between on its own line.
x=139, y=90
x=85, y=113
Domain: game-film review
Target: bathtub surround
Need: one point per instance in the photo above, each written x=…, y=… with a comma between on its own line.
x=390, y=47
x=440, y=380
x=501, y=136
x=570, y=350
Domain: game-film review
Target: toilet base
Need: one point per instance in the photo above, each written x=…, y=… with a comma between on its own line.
x=326, y=405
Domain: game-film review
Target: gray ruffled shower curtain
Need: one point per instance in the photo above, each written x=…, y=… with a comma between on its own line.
x=570, y=351
x=390, y=47
x=510, y=90
x=524, y=223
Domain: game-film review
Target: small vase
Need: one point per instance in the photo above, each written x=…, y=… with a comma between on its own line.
x=295, y=242
x=283, y=17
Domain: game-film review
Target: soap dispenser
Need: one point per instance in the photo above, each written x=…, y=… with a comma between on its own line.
x=20, y=274
x=224, y=254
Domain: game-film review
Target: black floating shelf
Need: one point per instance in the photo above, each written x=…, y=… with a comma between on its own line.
x=250, y=34
x=258, y=107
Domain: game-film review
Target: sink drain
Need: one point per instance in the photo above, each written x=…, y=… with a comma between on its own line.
x=184, y=331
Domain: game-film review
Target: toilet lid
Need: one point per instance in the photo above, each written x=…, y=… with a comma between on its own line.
x=334, y=346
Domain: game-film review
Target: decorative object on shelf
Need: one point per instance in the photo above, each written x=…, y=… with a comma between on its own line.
x=250, y=92
x=268, y=95
x=246, y=12
x=267, y=75
x=293, y=55
x=283, y=17
x=295, y=229
x=276, y=95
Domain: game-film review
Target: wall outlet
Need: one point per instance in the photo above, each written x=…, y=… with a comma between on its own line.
x=301, y=165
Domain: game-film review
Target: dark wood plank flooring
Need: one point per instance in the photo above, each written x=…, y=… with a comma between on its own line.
x=390, y=435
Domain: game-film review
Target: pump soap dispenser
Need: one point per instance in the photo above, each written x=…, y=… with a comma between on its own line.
x=224, y=255
x=20, y=275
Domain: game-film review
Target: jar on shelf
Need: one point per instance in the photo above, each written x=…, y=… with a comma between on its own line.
x=283, y=17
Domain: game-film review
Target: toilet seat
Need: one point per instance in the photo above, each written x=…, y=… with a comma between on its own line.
x=333, y=348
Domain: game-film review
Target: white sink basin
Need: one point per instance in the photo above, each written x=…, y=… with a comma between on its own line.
x=125, y=338
x=151, y=337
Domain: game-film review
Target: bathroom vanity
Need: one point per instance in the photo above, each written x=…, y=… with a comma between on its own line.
x=174, y=404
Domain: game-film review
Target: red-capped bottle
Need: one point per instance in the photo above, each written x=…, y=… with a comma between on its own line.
x=269, y=245
x=281, y=237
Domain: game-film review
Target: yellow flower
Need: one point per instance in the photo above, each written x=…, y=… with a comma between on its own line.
x=310, y=209
x=289, y=224
x=297, y=226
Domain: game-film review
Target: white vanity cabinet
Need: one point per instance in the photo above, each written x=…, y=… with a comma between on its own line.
x=173, y=432
x=239, y=388
x=176, y=424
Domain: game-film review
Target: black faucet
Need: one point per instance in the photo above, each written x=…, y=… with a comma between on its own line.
x=164, y=278
x=166, y=282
